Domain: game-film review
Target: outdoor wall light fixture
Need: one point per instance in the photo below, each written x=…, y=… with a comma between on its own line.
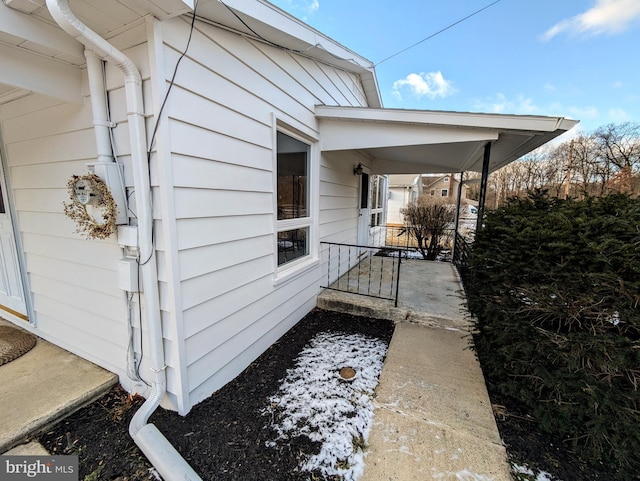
x=357, y=170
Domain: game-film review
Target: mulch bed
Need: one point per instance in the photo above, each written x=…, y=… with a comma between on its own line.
x=223, y=437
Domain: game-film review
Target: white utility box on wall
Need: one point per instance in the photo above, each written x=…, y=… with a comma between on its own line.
x=112, y=175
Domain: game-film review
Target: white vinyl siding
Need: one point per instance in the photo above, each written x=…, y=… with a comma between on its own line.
x=72, y=281
x=222, y=303
x=76, y=301
x=221, y=116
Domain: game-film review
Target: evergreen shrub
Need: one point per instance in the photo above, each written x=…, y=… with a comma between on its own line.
x=555, y=292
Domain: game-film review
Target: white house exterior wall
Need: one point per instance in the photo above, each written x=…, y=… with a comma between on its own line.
x=73, y=281
x=221, y=112
x=75, y=300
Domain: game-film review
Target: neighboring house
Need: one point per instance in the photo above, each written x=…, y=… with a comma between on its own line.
x=250, y=166
x=444, y=186
x=403, y=189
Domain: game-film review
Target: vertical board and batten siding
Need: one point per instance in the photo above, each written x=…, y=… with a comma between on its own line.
x=221, y=113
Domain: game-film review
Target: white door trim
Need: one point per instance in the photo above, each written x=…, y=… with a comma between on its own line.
x=364, y=213
x=16, y=305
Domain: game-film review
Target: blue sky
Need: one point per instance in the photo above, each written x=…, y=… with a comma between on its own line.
x=573, y=58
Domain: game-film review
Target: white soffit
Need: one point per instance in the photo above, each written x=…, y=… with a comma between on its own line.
x=422, y=141
x=23, y=69
x=30, y=33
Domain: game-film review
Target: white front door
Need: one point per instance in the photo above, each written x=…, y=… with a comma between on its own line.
x=11, y=289
x=364, y=209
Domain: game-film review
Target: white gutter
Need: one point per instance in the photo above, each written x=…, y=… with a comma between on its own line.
x=159, y=451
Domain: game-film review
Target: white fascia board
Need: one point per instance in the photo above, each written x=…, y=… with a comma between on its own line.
x=371, y=89
x=353, y=135
x=269, y=14
x=43, y=36
x=462, y=119
x=26, y=70
x=163, y=9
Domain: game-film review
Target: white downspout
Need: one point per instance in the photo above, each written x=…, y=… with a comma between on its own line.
x=99, y=109
x=149, y=439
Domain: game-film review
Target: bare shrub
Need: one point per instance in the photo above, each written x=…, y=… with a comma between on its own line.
x=428, y=221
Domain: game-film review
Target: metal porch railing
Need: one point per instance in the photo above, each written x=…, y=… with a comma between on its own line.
x=365, y=270
x=460, y=256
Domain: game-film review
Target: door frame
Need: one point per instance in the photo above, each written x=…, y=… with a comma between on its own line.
x=7, y=192
x=364, y=213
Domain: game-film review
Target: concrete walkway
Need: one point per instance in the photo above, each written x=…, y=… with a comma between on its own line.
x=432, y=420
x=433, y=417
x=42, y=386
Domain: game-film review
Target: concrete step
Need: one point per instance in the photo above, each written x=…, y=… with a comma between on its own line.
x=44, y=385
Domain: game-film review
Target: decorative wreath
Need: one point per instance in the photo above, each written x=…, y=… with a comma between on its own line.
x=87, y=224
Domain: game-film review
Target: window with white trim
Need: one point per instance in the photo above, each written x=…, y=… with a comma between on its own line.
x=293, y=198
x=377, y=200
x=445, y=193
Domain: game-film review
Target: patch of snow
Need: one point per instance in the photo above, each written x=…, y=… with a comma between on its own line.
x=522, y=469
x=615, y=319
x=315, y=402
x=540, y=476
x=413, y=253
x=463, y=475
x=156, y=475
x=405, y=450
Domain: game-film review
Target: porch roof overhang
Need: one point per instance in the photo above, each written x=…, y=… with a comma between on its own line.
x=424, y=141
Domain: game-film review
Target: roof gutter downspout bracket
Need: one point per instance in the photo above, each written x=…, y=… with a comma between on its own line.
x=165, y=458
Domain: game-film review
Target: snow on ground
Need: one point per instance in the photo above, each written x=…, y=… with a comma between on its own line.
x=529, y=474
x=463, y=475
x=410, y=253
x=313, y=400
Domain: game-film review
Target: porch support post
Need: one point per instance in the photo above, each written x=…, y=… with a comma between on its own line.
x=483, y=185
x=457, y=222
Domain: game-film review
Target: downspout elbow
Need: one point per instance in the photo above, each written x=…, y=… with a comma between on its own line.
x=67, y=20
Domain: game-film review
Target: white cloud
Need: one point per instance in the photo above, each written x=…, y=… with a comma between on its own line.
x=522, y=105
x=301, y=8
x=583, y=112
x=306, y=7
x=607, y=16
x=619, y=115
x=500, y=104
x=431, y=85
x=312, y=6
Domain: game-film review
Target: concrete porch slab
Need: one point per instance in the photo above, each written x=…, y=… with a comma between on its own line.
x=430, y=294
x=44, y=385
